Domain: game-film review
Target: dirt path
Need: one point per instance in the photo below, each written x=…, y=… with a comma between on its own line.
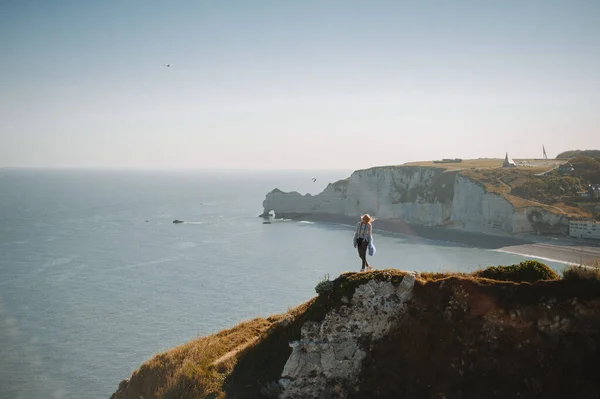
x=546, y=171
x=233, y=352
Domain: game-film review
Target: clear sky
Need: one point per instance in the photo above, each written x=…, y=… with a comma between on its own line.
x=294, y=84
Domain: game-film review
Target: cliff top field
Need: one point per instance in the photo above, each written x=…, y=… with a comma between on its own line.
x=533, y=182
x=454, y=335
x=489, y=163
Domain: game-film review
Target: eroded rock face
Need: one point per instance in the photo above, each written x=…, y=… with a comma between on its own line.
x=456, y=337
x=424, y=196
x=328, y=358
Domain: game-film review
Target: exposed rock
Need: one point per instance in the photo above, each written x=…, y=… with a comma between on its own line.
x=334, y=349
x=424, y=196
x=385, y=334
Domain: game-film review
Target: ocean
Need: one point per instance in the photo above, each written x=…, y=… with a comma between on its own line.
x=95, y=278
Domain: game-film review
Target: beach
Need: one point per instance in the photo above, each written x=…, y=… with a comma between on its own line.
x=576, y=254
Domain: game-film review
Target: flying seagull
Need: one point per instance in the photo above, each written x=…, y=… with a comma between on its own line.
x=167, y=65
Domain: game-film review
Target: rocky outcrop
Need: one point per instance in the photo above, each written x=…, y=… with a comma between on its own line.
x=425, y=196
x=329, y=356
x=393, y=334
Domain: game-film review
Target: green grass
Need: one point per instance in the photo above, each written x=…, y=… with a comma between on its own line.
x=428, y=276
x=528, y=271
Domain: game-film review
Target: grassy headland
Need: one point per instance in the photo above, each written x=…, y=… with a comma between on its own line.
x=536, y=183
x=499, y=324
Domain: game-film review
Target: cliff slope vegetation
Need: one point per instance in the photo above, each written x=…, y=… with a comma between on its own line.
x=535, y=183
x=579, y=153
x=393, y=334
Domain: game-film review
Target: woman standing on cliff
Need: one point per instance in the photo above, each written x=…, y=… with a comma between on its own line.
x=362, y=239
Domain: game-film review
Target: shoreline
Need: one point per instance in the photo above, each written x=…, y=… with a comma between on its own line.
x=546, y=248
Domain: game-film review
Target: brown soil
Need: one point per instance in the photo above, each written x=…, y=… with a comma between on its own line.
x=479, y=339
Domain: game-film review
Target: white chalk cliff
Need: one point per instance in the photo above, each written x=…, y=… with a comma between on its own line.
x=334, y=349
x=426, y=196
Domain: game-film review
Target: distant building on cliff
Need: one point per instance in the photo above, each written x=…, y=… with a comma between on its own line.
x=584, y=228
x=508, y=163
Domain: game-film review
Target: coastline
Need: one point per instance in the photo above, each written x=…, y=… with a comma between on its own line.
x=565, y=251
x=573, y=254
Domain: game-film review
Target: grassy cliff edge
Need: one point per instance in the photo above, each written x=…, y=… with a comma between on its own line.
x=513, y=331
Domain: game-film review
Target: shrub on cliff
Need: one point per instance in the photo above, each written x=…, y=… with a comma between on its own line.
x=325, y=285
x=579, y=153
x=548, y=188
x=588, y=169
x=577, y=272
x=528, y=271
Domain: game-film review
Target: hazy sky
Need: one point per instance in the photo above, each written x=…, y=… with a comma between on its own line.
x=294, y=84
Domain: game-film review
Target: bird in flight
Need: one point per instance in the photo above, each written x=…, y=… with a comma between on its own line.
x=314, y=179
x=167, y=65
